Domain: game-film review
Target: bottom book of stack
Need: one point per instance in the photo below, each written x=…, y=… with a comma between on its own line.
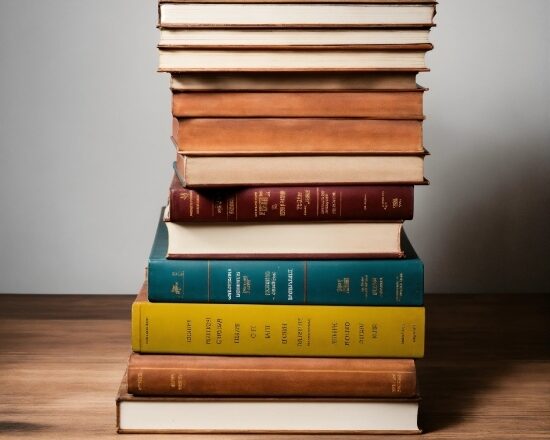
x=249, y=394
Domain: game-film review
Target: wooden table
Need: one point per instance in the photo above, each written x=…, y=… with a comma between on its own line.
x=486, y=374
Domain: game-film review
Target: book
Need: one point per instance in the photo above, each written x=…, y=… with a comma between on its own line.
x=300, y=81
x=181, y=15
x=211, y=415
x=200, y=37
x=289, y=203
x=276, y=330
x=343, y=282
x=196, y=59
x=219, y=136
x=219, y=171
x=287, y=241
x=406, y=104
x=187, y=375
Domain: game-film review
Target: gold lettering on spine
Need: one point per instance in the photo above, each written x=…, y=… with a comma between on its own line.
x=282, y=203
x=191, y=205
x=263, y=203
x=219, y=331
x=307, y=202
x=208, y=331
x=396, y=383
x=284, y=333
x=383, y=201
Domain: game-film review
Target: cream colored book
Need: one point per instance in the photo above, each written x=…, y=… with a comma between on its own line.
x=291, y=240
x=290, y=37
x=285, y=14
x=197, y=171
x=181, y=60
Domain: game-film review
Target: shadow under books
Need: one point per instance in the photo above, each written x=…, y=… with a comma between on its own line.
x=473, y=342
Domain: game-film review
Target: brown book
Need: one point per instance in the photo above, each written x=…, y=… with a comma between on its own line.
x=246, y=415
x=287, y=81
x=199, y=171
x=187, y=375
x=371, y=104
x=290, y=203
x=215, y=136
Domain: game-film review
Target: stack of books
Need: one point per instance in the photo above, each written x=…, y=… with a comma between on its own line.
x=282, y=294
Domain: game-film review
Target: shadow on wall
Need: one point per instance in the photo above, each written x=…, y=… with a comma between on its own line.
x=485, y=214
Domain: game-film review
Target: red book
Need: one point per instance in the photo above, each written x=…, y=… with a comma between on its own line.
x=290, y=203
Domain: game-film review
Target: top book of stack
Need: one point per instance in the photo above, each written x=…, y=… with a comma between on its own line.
x=294, y=36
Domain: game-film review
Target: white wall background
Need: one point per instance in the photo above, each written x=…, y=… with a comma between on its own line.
x=86, y=158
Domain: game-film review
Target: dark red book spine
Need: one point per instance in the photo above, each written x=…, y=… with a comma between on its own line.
x=291, y=203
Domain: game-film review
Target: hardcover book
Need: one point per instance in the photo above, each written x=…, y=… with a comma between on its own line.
x=187, y=375
x=248, y=415
x=258, y=15
x=256, y=281
x=289, y=240
x=405, y=104
x=276, y=38
x=322, y=58
x=289, y=203
x=349, y=169
x=276, y=330
x=234, y=136
x=299, y=81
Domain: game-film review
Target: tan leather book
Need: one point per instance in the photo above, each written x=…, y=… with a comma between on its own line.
x=200, y=171
x=188, y=375
x=371, y=104
x=288, y=81
x=214, y=136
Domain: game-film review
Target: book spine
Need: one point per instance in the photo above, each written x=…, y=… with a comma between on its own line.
x=373, y=104
x=296, y=135
x=272, y=204
x=343, y=282
x=172, y=375
x=278, y=330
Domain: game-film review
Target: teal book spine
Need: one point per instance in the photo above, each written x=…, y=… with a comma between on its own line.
x=321, y=282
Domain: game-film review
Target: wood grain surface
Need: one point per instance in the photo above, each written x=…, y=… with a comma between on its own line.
x=486, y=374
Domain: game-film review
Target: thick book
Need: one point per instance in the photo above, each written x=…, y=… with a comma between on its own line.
x=304, y=59
x=276, y=330
x=290, y=203
x=258, y=15
x=219, y=136
x=188, y=375
x=343, y=282
x=219, y=171
x=406, y=104
x=246, y=415
x=287, y=241
x=193, y=37
x=289, y=81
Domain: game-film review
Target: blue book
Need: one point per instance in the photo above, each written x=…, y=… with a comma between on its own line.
x=388, y=282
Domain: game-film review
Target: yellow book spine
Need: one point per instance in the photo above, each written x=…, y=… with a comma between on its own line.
x=278, y=330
